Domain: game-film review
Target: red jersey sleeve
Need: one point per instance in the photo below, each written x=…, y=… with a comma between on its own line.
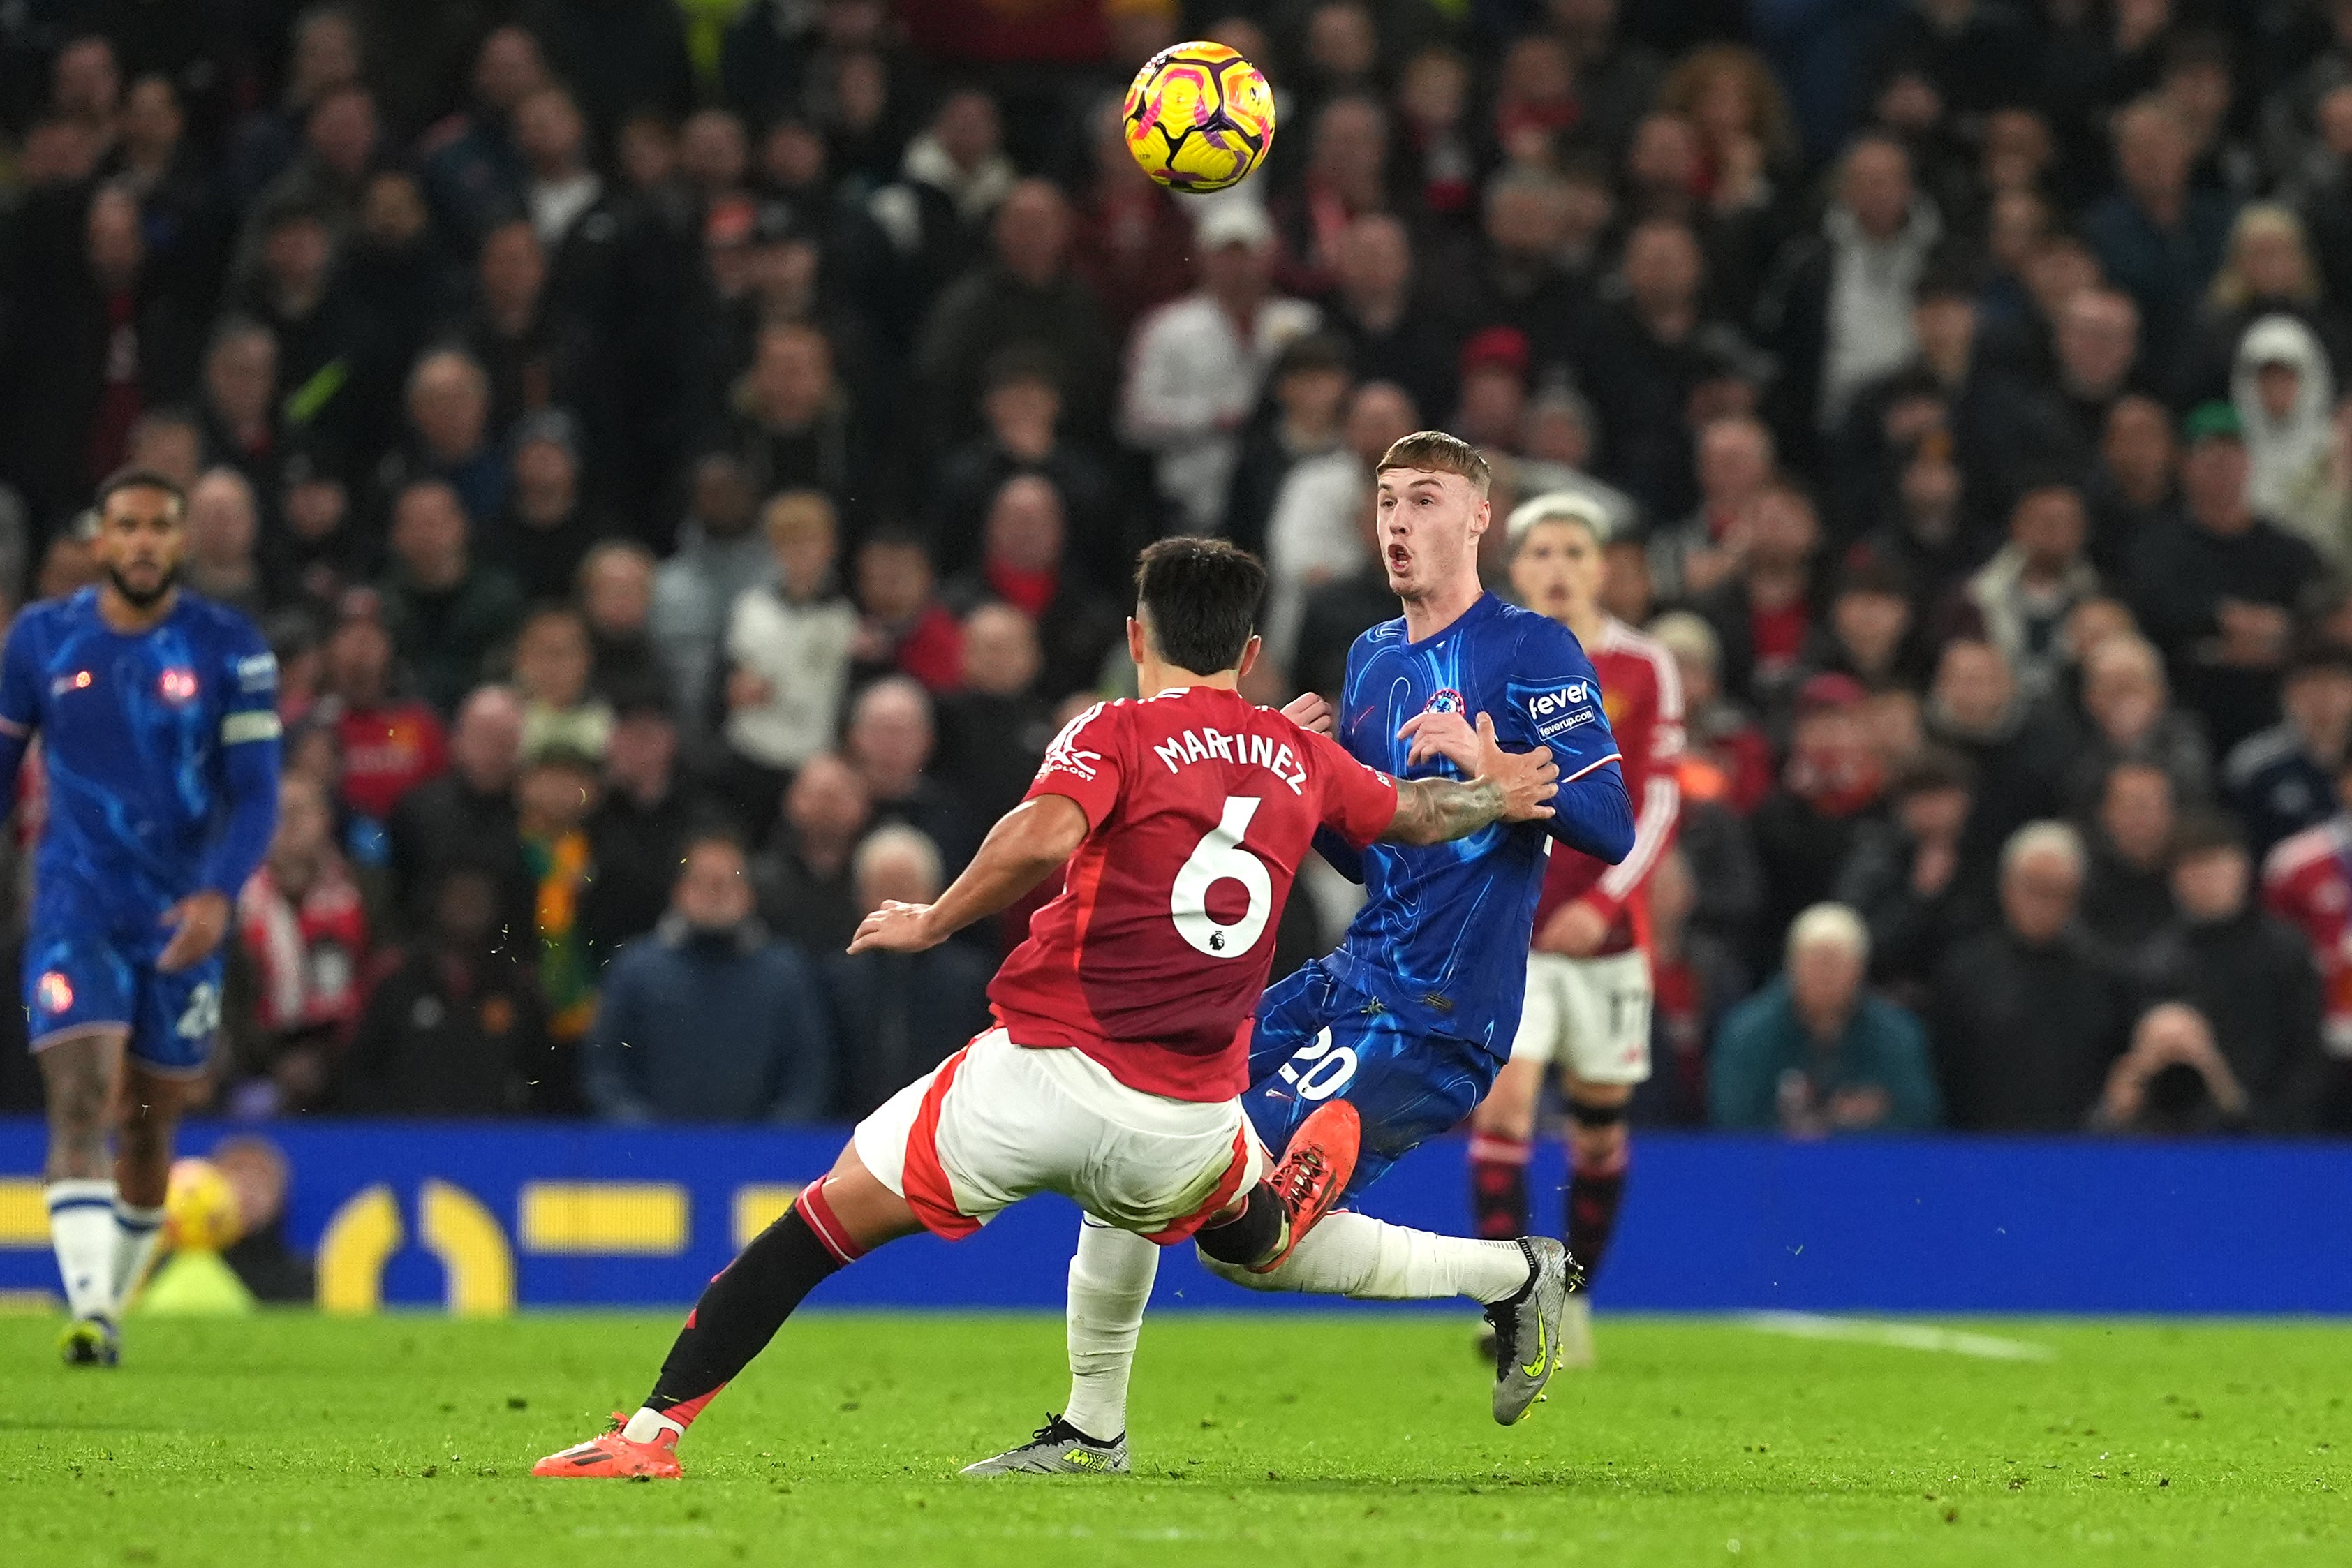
x=1358, y=803
x=1087, y=762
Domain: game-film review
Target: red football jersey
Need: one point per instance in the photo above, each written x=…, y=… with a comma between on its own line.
x=2307, y=882
x=1200, y=806
x=1642, y=692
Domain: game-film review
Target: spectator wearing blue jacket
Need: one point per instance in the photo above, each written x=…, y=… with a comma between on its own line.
x=1813, y=1053
x=708, y=1018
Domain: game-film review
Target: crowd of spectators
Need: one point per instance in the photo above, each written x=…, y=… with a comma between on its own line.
x=689, y=459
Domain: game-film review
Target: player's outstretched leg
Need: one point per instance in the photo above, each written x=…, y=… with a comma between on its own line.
x=78, y=1073
x=739, y=1314
x=1523, y=1283
x=1110, y=1281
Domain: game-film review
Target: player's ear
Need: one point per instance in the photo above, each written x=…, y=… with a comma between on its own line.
x=1250, y=650
x=1135, y=643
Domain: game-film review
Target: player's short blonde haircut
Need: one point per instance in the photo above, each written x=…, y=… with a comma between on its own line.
x=799, y=514
x=1558, y=506
x=1435, y=452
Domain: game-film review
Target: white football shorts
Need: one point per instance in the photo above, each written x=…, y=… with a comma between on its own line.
x=997, y=1122
x=1589, y=1016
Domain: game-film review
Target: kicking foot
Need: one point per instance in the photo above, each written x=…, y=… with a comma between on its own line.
x=1313, y=1174
x=615, y=1456
x=1057, y=1449
x=1526, y=1330
x=91, y=1341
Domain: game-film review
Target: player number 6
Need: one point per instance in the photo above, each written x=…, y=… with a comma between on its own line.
x=1215, y=859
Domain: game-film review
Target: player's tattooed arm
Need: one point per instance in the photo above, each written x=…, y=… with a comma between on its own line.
x=1509, y=787
x=1026, y=846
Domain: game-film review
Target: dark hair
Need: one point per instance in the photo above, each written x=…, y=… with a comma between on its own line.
x=2316, y=654
x=1875, y=575
x=1026, y=360
x=139, y=480
x=2205, y=833
x=1936, y=768
x=1314, y=352
x=1198, y=599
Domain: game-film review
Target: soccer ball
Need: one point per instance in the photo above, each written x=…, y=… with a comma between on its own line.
x=1199, y=117
x=200, y=1208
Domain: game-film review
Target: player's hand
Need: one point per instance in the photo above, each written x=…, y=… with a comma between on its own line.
x=1309, y=711
x=1447, y=735
x=1527, y=779
x=1576, y=929
x=895, y=928
x=200, y=921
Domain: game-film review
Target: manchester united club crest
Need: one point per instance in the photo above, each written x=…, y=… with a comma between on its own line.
x=1445, y=699
x=177, y=686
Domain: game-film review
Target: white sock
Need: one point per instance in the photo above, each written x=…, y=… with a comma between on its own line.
x=1110, y=1281
x=1350, y=1254
x=82, y=1228
x=137, y=1234
x=647, y=1425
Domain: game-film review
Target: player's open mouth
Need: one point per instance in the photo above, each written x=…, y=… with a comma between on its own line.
x=1399, y=558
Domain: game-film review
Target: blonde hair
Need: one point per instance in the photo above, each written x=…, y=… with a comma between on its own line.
x=1688, y=636
x=1435, y=452
x=1830, y=925
x=1770, y=121
x=2231, y=291
x=899, y=839
x=798, y=513
x=2044, y=838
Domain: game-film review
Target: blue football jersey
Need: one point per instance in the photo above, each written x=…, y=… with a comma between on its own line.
x=1442, y=939
x=161, y=750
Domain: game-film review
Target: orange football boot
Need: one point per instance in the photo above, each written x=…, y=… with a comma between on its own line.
x=1313, y=1174
x=614, y=1455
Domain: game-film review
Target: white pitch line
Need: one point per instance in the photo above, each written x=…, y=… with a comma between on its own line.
x=1901, y=1336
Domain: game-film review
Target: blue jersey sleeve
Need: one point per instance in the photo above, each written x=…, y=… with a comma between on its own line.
x=20, y=706
x=1553, y=699
x=249, y=747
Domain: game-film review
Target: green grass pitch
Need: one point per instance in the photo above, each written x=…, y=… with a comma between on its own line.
x=1295, y=1441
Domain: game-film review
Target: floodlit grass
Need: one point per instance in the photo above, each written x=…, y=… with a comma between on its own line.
x=1295, y=1441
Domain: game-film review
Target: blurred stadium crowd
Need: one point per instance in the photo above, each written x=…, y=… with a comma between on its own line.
x=630, y=419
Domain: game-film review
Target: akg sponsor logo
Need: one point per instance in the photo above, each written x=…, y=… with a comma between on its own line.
x=257, y=672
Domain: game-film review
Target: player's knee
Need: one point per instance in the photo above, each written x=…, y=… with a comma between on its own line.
x=77, y=1106
x=1596, y=1128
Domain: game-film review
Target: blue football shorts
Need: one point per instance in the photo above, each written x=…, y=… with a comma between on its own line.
x=1316, y=1040
x=85, y=969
